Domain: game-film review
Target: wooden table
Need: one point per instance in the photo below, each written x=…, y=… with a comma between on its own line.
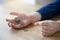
x=30, y=33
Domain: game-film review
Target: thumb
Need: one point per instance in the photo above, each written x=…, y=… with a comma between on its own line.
x=38, y=23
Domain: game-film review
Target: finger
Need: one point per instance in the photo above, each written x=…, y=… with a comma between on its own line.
x=44, y=28
x=21, y=16
x=45, y=24
x=46, y=34
x=9, y=20
x=9, y=24
x=38, y=23
x=46, y=31
x=14, y=13
x=17, y=26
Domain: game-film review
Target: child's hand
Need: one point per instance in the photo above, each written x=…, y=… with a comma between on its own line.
x=49, y=27
x=26, y=20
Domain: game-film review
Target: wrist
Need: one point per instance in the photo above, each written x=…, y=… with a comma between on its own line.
x=58, y=22
x=35, y=17
x=58, y=25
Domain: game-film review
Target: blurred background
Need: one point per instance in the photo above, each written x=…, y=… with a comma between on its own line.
x=25, y=6
x=41, y=2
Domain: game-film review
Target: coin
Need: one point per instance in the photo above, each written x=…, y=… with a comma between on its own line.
x=18, y=21
x=25, y=30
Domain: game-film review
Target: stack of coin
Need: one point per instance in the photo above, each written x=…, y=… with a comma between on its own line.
x=16, y=21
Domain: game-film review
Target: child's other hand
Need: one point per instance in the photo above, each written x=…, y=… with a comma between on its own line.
x=26, y=20
x=48, y=27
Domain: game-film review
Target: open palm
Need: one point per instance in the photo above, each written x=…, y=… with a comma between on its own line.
x=26, y=20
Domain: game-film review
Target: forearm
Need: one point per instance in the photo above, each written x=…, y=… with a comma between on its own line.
x=50, y=10
x=46, y=12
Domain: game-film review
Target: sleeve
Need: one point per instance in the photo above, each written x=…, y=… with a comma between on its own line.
x=50, y=10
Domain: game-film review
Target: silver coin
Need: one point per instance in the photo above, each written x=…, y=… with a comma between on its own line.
x=25, y=30
x=18, y=21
